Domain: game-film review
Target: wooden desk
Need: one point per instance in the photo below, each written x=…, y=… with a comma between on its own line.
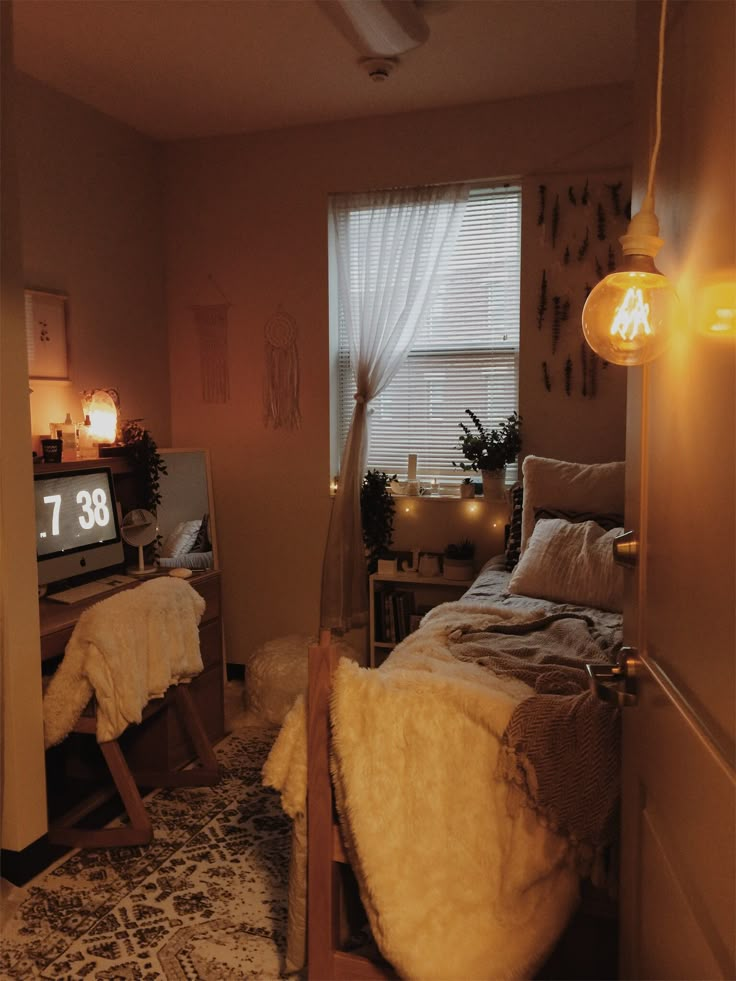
x=159, y=742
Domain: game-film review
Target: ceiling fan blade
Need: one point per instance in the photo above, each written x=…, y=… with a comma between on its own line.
x=378, y=27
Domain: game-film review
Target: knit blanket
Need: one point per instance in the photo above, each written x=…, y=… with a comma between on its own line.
x=561, y=747
x=429, y=807
x=125, y=650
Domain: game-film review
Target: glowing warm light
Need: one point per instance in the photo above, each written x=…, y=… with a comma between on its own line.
x=103, y=416
x=716, y=305
x=629, y=317
x=632, y=317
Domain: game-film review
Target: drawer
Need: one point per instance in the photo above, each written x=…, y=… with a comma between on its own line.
x=208, y=587
x=210, y=644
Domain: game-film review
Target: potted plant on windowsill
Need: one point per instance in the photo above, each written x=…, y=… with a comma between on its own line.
x=489, y=450
x=457, y=562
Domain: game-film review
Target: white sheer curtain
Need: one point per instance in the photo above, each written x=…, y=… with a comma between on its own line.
x=391, y=249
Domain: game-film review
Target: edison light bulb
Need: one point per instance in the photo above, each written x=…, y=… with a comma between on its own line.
x=629, y=316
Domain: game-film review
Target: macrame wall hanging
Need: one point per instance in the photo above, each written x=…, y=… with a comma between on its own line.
x=579, y=225
x=211, y=324
x=281, y=388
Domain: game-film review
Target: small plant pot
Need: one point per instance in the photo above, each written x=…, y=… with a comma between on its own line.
x=460, y=569
x=467, y=490
x=387, y=567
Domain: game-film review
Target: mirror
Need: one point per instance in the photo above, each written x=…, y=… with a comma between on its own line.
x=186, y=517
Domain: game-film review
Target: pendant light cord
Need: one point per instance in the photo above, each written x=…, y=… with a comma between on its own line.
x=658, y=105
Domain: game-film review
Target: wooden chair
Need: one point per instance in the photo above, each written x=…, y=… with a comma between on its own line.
x=66, y=830
x=326, y=858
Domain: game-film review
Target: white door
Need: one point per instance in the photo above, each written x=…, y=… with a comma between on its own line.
x=678, y=870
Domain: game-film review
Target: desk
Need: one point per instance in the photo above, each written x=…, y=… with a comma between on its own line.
x=159, y=742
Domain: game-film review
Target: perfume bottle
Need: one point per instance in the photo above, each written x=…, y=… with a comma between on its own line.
x=87, y=446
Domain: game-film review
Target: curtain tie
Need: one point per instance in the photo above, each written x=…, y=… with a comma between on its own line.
x=360, y=399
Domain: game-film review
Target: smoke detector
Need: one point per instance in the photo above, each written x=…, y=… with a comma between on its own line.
x=378, y=69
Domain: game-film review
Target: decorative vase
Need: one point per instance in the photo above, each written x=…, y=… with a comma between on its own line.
x=494, y=484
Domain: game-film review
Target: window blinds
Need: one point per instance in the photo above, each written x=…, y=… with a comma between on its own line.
x=465, y=355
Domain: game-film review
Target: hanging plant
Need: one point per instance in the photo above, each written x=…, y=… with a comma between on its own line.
x=601, y=223
x=568, y=376
x=611, y=259
x=584, y=246
x=556, y=321
x=555, y=219
x=542, y=305
x=615, y=190
x=598, y=269
x=542, y=203
x=143, y=454
x=585, y=197
x=545, y=375
x=571, y=195
x=584, y=366
x=566, y=256
x=593, y=374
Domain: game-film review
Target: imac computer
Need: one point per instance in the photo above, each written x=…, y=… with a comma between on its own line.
x=77, y=528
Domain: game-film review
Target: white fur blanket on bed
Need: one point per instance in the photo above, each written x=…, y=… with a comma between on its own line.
x=458, y=882
x=125, y=650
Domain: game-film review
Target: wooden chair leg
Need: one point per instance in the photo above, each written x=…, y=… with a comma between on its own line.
x=205, y=775
x=138, y=832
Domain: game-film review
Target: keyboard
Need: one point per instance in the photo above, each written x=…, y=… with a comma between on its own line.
x=88, y=590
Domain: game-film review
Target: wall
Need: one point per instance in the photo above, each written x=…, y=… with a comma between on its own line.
x=246, y=224
x=84, y=218
x=22, y=785
x=92, y=228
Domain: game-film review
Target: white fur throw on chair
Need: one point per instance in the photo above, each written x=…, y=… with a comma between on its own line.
x=125, y=650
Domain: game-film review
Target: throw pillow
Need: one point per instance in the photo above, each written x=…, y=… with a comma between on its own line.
x=594, y=487
x=570, y=563
x=181, y=539
x=513, y=543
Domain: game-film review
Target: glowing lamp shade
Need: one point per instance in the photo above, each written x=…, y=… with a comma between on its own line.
x=629, y=316
x=103, y=416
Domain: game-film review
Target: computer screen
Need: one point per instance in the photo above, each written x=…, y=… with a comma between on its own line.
x=77, y=529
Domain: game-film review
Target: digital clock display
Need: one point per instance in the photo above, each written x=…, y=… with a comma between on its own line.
x=74, y=511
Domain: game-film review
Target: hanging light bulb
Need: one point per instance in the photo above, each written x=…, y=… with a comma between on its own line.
x=629, y=316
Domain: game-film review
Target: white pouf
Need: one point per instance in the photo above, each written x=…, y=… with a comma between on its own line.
x=276, y=673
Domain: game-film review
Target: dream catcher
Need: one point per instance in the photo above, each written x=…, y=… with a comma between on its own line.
x=281, y=390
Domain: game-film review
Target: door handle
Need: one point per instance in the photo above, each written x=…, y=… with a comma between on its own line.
x=615, y=683
x=626, y=549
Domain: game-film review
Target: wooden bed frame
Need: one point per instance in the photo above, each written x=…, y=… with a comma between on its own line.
x=328, y=864
x=587, y=943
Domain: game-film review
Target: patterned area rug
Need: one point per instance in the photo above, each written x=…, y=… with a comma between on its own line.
x=205, y=900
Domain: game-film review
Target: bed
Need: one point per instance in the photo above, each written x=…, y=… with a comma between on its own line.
x=474, y=774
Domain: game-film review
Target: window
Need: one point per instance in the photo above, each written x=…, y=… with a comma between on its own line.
x=466, y=355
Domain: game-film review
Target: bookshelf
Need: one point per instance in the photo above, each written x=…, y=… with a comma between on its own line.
x=397, y=601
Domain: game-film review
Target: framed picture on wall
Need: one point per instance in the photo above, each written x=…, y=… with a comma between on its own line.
x=46, y=340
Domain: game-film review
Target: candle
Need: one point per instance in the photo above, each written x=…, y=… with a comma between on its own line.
x=412, y=470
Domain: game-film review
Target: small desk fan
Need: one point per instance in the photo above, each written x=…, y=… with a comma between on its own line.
x=139, y=528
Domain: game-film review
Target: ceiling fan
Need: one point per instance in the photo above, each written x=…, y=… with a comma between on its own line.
x=379, y=30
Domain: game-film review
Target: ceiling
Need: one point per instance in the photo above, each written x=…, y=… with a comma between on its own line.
x=193, y=68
